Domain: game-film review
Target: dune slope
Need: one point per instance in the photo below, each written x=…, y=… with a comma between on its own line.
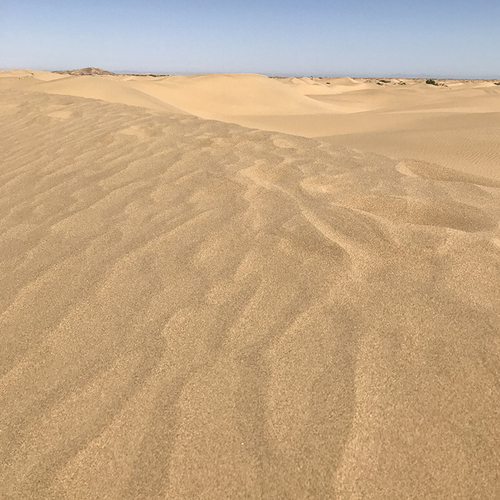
x=193, y=309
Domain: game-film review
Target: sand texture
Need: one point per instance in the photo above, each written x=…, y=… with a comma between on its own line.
x=193, y=309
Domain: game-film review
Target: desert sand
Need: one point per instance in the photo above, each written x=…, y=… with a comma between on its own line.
x=235, y=286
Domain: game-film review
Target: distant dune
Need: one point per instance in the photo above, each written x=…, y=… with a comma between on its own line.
x=303, y=307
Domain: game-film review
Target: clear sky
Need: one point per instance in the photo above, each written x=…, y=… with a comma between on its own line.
x=438, y=38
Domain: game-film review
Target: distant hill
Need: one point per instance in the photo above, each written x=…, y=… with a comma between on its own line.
x=85, y=71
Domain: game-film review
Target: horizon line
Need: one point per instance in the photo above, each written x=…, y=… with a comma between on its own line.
x=273, y=75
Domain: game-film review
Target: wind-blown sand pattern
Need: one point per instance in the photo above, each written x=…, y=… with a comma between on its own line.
x=194, y=309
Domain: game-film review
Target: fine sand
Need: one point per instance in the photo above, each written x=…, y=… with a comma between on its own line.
x=196, y=304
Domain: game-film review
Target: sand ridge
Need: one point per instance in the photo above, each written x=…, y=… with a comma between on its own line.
x=195, y=309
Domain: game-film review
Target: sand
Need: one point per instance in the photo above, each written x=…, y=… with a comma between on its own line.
x=191, y=308
x=455, y=124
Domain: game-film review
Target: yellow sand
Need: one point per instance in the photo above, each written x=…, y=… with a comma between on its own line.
x=191, y=309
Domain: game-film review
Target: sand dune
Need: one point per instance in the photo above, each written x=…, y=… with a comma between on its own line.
x=194, y=309
x=216, y=96
x=323, y=86
x=30, y=74
x=207, y=96
x=397, y=118
x=109, y=90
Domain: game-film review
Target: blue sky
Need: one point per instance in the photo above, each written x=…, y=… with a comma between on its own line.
x=440, y=38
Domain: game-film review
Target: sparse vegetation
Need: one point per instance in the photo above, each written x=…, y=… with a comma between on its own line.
x=429, y=81
x=497, y=83
x=384, y=81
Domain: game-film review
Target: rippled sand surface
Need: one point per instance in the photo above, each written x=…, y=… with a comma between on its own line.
x=194, y=309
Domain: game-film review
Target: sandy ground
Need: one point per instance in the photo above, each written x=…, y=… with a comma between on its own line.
x=192, y=309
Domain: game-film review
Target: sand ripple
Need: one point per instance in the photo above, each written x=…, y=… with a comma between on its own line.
x=192, y=309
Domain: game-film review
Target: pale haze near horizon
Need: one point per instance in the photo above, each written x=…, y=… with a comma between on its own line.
x=443, y=39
